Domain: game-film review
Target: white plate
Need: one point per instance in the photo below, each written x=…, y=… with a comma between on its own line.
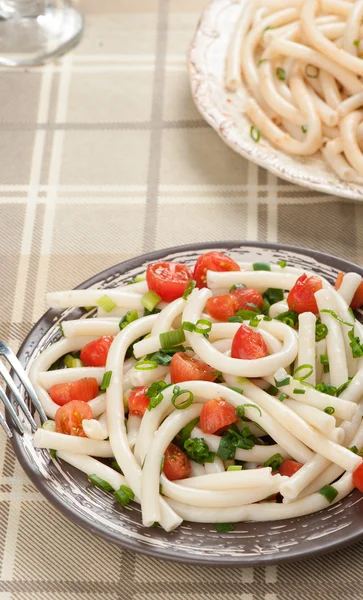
x=224, y=110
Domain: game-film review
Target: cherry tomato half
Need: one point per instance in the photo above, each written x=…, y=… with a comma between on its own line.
x=248, y=344
x=216, y=415
x=185, y=368
x=167, y=279
x=226, y=305
x=176, y=463
x=95, y=353
x=138, y=401
x=357, y=300
x=358, y=478
x=83, y=389
x=68, y=418
x=289, y=467
x=301, y=297
x=212, y=261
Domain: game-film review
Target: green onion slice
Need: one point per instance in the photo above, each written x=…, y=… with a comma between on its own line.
x=304, y=129
x=301, y=368
x=274, y=461
x=261, y=266
x=100, y=483
x=329, y=410
x=130, y=316
x=181, y=404
x=298, y=391
x=312, y=71
x=223, y=527
x=321, y=331
x=184, y=433
x=255, y=133
x=282, y=382
x=289, y=317
x=150, y=300
x=124, y=495
x=354, y=449
x=49, y=425
x=281, y=73
x=106, y=303
x=106, y=380
x=191, y=285
x=203, y=326
x=146, y=365
x=240, y=410
x=237, y=286
x=334, y=314
x=234, y=468
x=282, y=263
x=172, y=338
x=329, y=492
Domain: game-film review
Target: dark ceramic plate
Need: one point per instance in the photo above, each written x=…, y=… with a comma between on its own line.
x=250, y=543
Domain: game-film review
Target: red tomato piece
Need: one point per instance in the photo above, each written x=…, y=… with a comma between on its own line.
x=169, y=280
x=248, y=344
x=83, y=389
x=216, y=415
x=358, y=478
x=176, y=463
x=68, y=418
x=245, y=296
x=212, y=261
x=301, y=297
x=221, y=307
x=289, y=467
x=357, y=300
x=138, y=401
x=95, y=353
x=185, y=368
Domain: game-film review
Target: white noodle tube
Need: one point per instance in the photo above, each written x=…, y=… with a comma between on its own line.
x=306, y=353
x=216, y=466
x=304, y=432
x=278, y=103
x=230, y=480
x=320, y=348
x=116, y=415
x=96, y=327
x=327, y=115
x=45, y=360
x=98, y=405
x=91, y=297
x=349, y=286
x=338, y=369
x=352, y=27
x=344, y=314
x=278, y=308
x=339, y=164
x=49, y=378
x=197, y=469
x=251, y=368
x=343, y=409
x=258, y=280
x=233, y=69
x=320, y=420
x=91, y=466
x=167, y=316
x=146, y=376
x=265, y=511
x=95, y=429
x=352, y=151
x=71, y=443
x=133, y=427
x=350, y=104
x=330, y=89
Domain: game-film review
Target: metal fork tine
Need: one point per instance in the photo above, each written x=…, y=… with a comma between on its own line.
x=19, y=370
x=4, y=373
x=11, y=410
x=5, y=426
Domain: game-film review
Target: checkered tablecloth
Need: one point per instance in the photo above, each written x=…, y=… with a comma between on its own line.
x=104, y=157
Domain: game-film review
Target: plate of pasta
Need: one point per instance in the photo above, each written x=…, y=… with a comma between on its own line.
x=204, y=403
x=281, y=83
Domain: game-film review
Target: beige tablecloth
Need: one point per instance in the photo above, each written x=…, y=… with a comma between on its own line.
x=104, y=157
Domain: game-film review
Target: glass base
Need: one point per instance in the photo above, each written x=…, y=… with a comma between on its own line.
x=26, y=41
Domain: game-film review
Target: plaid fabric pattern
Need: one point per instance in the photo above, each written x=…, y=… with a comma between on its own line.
x=104, y=157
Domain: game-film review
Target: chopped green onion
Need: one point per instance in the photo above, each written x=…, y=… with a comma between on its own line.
x=188, y=326
x=130, y=316
x=354, y=449
x=329, y=410
x=162, y=464
x=72, y=363
x=197, y=449
x=282, y=263
x=155, y=311
x=356, y=346
x=272, y=390
x=311, y=71
x=304, y=129
x=106, y=380
x=146, y=365
x=140, y=277
x=255, y=133
x=235, y=389
x=254, y=322
x=191, y=285
x=116, y=466
x=106, y=303
x=88, y=308
x=356, y=42
x=298, y=391
x=242, y=315
x=329, y=492
x=280, y=73
x=282, y=397
x=235, y=439
x=265, y=306
x=240, y=410
x=334, y=314
x=289, y=317
x=324, y=360
x=203, y=326
x=237, y=286
x=154, y=393
x=172, y=338
x=49, y=425
x=150, y=300
x=343, y=387
x=282, y=382
x=321, y=331
x=274, y=461
x=124, y=495
x=224, y=527
x=164, y=356
x=234, y=468
x=303, y=377
x=184, y=433
x=267, y=28
x=261, y=266
x=181, y=404
x=262, y=60
x=53, y=453
x=326, y=388
x=274, y=295
x=101, y=483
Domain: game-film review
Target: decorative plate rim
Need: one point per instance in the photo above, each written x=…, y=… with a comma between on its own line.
x=203, y=85
x=321, y=546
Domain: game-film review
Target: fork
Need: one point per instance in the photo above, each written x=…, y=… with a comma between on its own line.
x=18, y=370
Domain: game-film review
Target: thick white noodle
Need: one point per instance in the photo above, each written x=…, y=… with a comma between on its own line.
x=74, y=298
x=98, y=405
x=352, y=27
x=325, y=423
x=349, y=286
x=95, y=429
x=217, y=466
x=166, y=317
x=344, y=313
x=259, y=280
x=96, y=327
x=348, y=129
x=306, y=354
x=320, y=348
x=91, y=466
x=197, y=469
x=339, y=164
x=49, y=378
x=133, y=427
x=330, y=89
x=350, y=104
x=229, y=480
x=233, y=69
x=71, y=443
x=278, y=308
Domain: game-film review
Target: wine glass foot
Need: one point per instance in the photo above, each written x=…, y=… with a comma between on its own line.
x=27, y=41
